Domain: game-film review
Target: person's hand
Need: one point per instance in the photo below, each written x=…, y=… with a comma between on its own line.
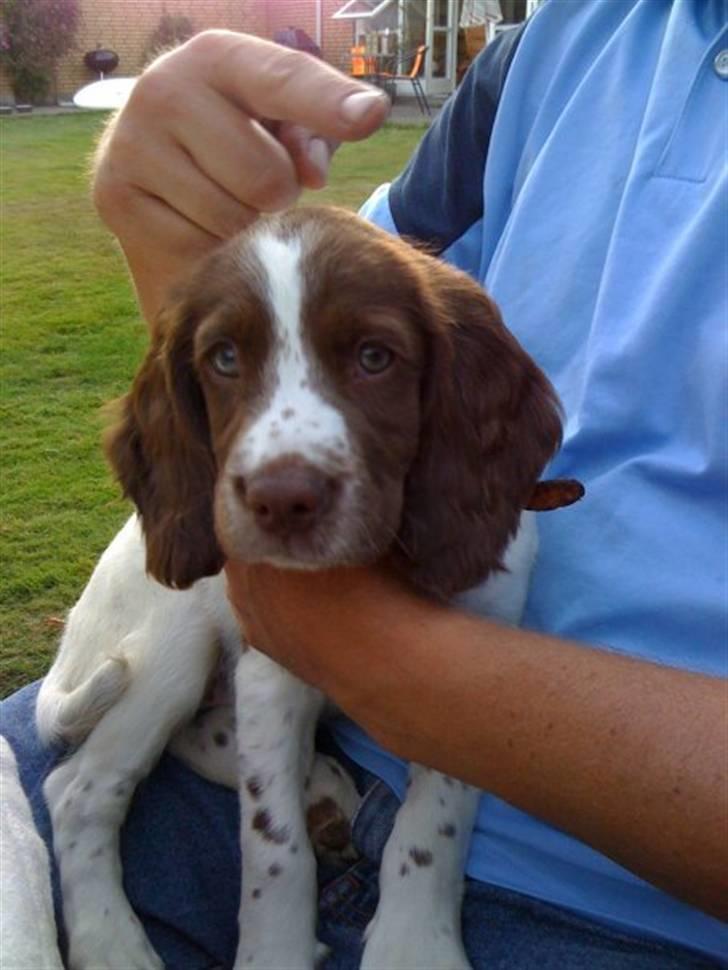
x=214, y=133
x=307, y=620
x=259, y=597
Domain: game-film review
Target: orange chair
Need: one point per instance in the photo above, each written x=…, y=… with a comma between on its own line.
x=362, y=64
x=358, y=61
x=413, y=76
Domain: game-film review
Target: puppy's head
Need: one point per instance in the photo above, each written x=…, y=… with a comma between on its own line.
x=320, y=393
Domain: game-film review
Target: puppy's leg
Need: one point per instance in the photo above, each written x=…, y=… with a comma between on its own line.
x=89, y=794
x=276, y=718
x=70, y=716
x=207, y=745
x=417, y=922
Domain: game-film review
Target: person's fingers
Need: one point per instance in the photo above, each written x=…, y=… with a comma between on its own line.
x=262, y=163
x=167, y=173
x=269, y=81
x=236, y=152
x=310, y=153
x=213, y=133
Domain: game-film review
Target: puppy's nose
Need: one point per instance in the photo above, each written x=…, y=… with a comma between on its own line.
x=289, y=499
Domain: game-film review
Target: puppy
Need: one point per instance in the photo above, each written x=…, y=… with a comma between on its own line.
x=318, y=394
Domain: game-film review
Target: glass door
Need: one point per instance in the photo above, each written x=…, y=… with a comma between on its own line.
x=441, y=40
x=433, y=23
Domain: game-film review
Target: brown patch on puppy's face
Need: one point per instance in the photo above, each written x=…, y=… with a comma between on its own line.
x=314, y=476
x=323, y=393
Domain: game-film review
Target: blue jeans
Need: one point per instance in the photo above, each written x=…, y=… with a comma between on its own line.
x=181, y=860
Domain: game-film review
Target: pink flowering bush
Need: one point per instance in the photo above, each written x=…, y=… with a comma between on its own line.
x=34, y=36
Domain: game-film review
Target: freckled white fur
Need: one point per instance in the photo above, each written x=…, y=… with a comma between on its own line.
x=276, y=724
x=132, y=668
x=295, y=418
x=163, y=644
x=401, y=935
x=417, y=922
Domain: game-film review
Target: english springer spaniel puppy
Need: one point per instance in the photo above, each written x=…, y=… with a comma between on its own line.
x=317, y=394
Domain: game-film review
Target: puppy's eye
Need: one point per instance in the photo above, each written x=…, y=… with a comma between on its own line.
x=374, y=357
x=224, y=359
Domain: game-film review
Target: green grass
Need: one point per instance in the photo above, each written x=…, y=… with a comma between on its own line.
x=70, y=340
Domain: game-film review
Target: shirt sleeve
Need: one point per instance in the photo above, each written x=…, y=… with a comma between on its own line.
x=438, y=198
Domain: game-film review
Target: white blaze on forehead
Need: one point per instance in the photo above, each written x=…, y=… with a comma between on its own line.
x=295, y=418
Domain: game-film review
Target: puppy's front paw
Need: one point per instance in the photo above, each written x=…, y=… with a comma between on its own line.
x=394, y=944
x=251, y=959
x=110, y=941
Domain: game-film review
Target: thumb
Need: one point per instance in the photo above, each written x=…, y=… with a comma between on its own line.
x=278, y=84
x=311, y=154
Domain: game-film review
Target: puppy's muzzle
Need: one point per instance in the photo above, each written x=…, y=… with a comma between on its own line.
x=288, y=497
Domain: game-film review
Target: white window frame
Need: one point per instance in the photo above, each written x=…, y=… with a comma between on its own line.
x=344, y=14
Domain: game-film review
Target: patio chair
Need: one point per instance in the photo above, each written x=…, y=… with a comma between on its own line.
x=413, y=76
x=362, y=64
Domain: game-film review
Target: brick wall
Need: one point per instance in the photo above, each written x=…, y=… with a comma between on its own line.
x=126, y=26
x=336, y=35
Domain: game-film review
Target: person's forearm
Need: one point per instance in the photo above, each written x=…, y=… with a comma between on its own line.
x=627, y=756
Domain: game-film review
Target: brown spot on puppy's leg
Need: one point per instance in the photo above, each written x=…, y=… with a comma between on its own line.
x=263, y=824
x=254, y=787
x=420, y=857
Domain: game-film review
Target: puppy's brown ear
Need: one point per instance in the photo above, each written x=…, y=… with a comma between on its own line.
x=161, y=453
x=490, y=423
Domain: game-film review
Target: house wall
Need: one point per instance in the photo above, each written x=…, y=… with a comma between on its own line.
x=126, y=26
x=336, y=35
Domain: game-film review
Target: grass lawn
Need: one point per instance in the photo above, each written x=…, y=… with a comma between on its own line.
x=70, y=341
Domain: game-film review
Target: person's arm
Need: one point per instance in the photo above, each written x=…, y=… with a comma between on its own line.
x=627, y=756
x=214, y=133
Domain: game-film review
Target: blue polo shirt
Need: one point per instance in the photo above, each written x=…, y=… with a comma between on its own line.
x=580, y=174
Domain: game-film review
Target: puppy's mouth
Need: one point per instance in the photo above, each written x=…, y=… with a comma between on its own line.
x=299, y=518
x=313, y=554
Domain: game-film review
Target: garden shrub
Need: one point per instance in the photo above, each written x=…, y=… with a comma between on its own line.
x=34, y=36
x=171, y=31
